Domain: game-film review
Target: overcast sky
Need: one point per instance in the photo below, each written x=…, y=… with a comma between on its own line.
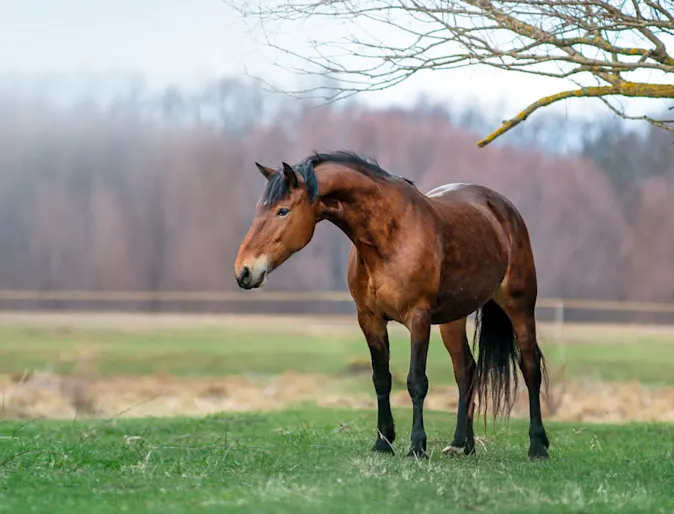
x=189, y=41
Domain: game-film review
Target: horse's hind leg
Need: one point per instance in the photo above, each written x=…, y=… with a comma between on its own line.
x=519, y=306
x=455, y=340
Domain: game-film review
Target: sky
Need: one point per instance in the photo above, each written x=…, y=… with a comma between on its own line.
x=188, y=42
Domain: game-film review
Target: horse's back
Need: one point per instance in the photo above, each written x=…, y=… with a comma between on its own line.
x=448, y=189
x=475, y=195
x=461, y=192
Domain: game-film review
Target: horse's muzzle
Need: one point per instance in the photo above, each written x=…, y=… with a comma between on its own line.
x=247, y=280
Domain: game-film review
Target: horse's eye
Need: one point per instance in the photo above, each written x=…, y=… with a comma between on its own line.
x=283, y=212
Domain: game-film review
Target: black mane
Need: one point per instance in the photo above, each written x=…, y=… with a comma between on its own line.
x=278, y=189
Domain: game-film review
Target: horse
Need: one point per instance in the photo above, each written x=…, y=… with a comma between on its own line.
x=420, y=260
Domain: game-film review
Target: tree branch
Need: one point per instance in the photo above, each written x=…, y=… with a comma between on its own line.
x=606, y=40
x=624, y=89
x=662, y=124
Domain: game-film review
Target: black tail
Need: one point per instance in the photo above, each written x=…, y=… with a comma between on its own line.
x=497, y=361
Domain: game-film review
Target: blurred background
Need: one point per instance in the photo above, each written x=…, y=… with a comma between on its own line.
x=128, y=136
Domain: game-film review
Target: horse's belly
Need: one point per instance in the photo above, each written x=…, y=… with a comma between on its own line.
x=452, y=306
x=464, y=293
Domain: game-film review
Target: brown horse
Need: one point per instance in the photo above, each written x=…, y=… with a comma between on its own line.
x=420, y=260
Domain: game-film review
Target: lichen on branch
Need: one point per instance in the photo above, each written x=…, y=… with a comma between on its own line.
x=629, y=89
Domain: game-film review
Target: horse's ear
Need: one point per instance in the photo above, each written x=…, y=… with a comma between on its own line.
x=290, y=175
x=267, y=172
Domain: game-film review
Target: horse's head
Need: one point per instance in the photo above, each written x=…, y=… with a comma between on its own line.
x=284, y=224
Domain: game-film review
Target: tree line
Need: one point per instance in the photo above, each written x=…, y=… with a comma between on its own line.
x=156, y=196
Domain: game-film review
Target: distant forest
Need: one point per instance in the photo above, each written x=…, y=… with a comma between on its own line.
x=155, y=192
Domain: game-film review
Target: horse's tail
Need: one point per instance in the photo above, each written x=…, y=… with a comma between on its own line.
x=497, y=361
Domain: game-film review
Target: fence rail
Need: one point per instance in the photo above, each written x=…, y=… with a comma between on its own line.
x=292, y=296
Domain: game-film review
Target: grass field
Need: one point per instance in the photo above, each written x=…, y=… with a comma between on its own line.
x=289, y=454
x=192, y=346
x=313, y=460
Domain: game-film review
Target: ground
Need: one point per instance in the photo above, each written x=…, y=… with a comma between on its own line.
x=309, y=460
x=62, y=366
x=95, y=419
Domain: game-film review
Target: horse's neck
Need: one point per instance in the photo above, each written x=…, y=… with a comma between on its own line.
x=363, y=209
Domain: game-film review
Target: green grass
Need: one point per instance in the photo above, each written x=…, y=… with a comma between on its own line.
x=244, y=347
x=313, y=460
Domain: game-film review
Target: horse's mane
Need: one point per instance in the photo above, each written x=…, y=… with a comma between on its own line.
x=278, y=189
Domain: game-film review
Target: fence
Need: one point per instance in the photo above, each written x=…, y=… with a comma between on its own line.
x=559, y=310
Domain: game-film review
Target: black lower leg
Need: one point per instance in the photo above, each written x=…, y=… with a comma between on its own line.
x=376, y=336
x=531, y=369
x=538, y=439
x=464, y=438
x=381, y=377
x=417, y=385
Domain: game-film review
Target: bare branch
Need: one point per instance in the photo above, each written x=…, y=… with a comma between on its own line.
x=385, y=42
x=663, y=124
x=624, y=89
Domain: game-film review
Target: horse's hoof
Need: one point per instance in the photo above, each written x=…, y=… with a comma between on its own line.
x=417, y=454
x=538, y=453
x=454, y=451
x=383, y=446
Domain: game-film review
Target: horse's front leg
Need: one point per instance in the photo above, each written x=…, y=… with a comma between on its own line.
x=419, y=326
x=376, y=335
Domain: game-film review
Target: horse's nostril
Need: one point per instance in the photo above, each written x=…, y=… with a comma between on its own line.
x=245, y=277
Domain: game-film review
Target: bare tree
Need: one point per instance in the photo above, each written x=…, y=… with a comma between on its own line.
x=600, y=48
